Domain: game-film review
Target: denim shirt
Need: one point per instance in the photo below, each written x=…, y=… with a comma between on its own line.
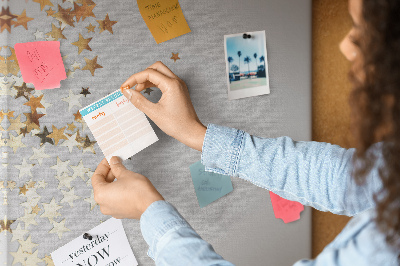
x=312, y=173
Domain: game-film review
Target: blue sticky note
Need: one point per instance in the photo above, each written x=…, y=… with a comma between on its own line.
x=209, y=186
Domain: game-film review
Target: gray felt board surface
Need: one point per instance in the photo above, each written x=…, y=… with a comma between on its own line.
x=240, y=226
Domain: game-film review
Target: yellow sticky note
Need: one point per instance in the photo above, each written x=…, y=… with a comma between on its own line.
x=164, y=18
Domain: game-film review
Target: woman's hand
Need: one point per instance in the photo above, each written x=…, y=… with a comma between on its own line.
x=173, y=113
x=128, y=197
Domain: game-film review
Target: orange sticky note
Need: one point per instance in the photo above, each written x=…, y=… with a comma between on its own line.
x=284, y=209
x=41, y=63
x=164, y=18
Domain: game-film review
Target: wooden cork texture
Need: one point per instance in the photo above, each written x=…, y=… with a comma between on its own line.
x=331, y=89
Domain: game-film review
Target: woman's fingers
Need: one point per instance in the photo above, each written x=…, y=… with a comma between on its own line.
x=159, y=80
x=100, y=174
x=160, y=67
x=143, y=86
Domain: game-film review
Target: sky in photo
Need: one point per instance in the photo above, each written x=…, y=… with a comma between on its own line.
x=248, y=47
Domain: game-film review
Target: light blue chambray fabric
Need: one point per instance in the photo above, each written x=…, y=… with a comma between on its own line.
x=312, y=173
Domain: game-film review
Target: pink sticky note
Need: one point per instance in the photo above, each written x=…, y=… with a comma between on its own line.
x=284, y=209
x=41, y=63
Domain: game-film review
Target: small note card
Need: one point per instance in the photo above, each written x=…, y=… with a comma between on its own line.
x=118, y=126
x=108, y=246
x=41, y=63
x=287, y=210
x=209, y=186
x=164, y=18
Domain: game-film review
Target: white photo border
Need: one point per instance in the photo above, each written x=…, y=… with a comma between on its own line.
x=248, y=92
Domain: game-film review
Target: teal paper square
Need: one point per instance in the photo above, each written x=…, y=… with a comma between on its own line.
x=209, y=186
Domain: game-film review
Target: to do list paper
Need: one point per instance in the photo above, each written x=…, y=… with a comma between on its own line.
x=119, y=127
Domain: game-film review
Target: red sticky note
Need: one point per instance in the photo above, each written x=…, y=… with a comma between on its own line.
x=284, y=209
x=41, y=63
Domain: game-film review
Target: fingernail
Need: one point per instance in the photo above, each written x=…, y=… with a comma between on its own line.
x=115, y=160
x=124, y=88
x=129, y=92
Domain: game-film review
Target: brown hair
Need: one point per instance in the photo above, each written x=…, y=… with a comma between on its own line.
x=375, y=103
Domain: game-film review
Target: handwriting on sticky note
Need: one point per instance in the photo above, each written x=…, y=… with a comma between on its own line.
x=209, y=186
x=284, y=209
x=41, y=63
x=164, y=18
x=118, y=126
x=108, y=246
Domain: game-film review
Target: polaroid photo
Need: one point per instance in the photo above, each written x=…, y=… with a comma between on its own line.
x=246, y=64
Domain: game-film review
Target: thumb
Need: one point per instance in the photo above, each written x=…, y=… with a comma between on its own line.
x=138, y=100
x=117, y=167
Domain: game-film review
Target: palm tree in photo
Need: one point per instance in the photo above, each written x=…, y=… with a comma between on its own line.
x=230, y=60
x=255, y=57
x=247, y=60
x=239, y=54
x=262, y=59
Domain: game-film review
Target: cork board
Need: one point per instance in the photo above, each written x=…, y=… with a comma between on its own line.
x=331, y=88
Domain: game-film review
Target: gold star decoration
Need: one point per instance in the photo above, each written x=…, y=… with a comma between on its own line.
x=6, y=19
x=23, y=90
x=15, y=124
x=175, y=56
x=43, y=137
x=32, y=120
x=90, y=28
x=50, y=12
x=19, y=256
x=34, y=102
x=5, y=225
x=22, y=20
x=9, y=114
x=70, y=74
x=8, y=64
x=11, y=185
x=71, y=127
x=88, y=145
x=30, y=184
x=47, y=259
x=85, y=91
x=2, y=184
x=79, y=139
x=23, y=131
x=76, y=66
x=59, y=228
x=43, y=3
x=91, y=65
x=83, y=11
x=64, y=16
x=27, y=245
x=56, y=33
x=36, y=209
x=82, y=44
x=23, y=190
x=57, y=134
x=78, y=117
x=15, y=142
x=148, y=90
x=106, y=24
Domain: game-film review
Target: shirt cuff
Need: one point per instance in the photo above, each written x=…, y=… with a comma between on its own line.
x=221, y=150
x=159, y=218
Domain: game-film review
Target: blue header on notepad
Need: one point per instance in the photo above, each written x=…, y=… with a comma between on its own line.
x=101, y=103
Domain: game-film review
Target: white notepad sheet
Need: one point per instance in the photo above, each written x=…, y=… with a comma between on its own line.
x=118, y=126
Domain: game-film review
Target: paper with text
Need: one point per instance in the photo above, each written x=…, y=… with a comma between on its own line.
x=284, y=209
x=118, y=126
x=164, y=18
x=41, y=63
x=109, y=246
x=209, y=186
